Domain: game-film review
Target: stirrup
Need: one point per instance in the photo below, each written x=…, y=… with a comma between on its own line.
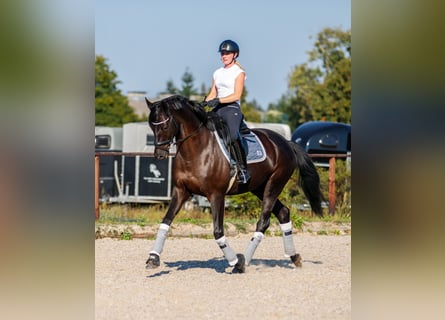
x=243, y=176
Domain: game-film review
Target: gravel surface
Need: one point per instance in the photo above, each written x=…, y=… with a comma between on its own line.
x=195, y=282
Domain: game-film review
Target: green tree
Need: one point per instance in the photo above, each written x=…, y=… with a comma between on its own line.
x=112, y=108
x=171, y=88
x=273, y=115
x=250, y=110
x=188, y=87
x=204, y=90
x=320, y=89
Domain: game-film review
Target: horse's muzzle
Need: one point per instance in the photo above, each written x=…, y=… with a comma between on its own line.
x=161, y=154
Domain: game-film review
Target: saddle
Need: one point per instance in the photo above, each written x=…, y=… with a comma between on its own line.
x=216, y=123
x=237, y=149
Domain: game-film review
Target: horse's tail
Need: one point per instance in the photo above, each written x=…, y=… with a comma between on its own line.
x=309, y=180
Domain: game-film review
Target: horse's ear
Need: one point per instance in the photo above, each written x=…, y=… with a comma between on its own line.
x=149, y=104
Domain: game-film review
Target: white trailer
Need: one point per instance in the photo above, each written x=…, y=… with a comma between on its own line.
x=280, y=128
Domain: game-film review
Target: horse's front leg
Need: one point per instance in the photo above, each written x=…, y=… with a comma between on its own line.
x=235, y=260
x=178, y=199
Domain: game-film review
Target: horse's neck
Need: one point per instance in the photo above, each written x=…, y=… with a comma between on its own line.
x=188, y=124
x=188, y=129
x=194, y=137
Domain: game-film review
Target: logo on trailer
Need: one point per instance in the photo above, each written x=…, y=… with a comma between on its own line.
x=154, y=174
x=154, y=170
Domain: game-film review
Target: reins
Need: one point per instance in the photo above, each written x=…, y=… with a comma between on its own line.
x=195, y=132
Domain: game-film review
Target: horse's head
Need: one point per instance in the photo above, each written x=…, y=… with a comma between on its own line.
x=164, y=127
x=174, y=117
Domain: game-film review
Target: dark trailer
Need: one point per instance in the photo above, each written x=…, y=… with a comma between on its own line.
x=108, y=139
x=322, y=137
x=145, y=179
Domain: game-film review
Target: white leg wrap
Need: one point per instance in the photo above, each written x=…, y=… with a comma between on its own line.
x=288, y=241
x=160, y=239
x=253, y=244
x=229, y=254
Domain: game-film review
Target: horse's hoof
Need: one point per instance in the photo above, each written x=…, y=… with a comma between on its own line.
x=153, y=261
x=296, y=259
x=240, y=266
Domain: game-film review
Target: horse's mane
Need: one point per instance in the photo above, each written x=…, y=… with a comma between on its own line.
x=178, y=102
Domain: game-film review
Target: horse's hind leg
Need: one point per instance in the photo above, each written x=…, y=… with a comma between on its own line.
x=283, y=215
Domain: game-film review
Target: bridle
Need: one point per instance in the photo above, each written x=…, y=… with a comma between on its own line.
x=170, y=141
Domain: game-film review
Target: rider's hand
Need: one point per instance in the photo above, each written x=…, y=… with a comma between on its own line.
x=213, y=103
x=202, y=104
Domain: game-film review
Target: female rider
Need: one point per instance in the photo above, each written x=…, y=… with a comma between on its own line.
x=225, y=97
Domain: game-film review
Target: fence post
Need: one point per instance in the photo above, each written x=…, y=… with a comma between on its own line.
x=331, y=185
x=96, y=186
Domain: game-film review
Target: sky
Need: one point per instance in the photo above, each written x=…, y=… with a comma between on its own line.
x=148, y=43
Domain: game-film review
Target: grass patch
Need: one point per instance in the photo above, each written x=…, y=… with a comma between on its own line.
x=126, y=236
x=146, y=214
x=240, y=225
x=152, y=214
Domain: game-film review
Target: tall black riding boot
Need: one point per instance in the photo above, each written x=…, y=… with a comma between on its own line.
x=240, y=157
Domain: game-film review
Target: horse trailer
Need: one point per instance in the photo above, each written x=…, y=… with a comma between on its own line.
x=127, y=178
x=323, y=137
x=108, y=139
x=145, y=179
x=280, y=128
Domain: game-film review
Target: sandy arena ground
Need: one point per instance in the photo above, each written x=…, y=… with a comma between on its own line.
x=194, y=281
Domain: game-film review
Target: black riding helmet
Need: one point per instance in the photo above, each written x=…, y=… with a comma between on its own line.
x=229, y=46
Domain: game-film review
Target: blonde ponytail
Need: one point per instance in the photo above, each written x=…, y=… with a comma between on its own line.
x=239, y=65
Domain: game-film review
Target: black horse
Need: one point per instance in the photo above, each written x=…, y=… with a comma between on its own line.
x=201, y=168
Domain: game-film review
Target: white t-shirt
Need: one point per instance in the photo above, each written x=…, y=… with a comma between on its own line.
x=225, y=80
